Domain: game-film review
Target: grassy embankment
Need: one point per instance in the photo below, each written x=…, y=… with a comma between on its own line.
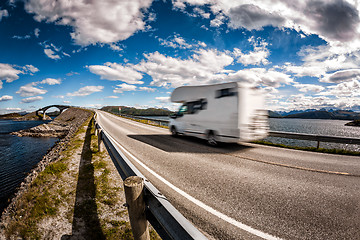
x=312, y=149
x=78, y=195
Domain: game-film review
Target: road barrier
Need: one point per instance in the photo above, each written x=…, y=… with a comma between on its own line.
x=168, y=222
x=299, y=136
x=314, y=137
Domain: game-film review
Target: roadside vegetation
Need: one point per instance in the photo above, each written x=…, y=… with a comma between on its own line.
x=79, y=196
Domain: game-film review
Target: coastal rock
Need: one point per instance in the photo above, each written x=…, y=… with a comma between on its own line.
x=355, y=123
x=57, y=128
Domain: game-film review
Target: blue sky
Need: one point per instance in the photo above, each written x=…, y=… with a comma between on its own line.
x=303, y=54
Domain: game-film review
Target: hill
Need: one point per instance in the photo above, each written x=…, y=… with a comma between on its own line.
x=137, y=112
x=323, y=114
x=10, y=116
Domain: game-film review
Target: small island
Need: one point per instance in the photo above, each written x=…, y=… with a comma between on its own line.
x=355, y=123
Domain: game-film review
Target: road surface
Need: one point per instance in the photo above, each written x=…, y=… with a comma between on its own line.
x=246, y=191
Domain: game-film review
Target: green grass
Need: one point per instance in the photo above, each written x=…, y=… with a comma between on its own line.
x=312, y=149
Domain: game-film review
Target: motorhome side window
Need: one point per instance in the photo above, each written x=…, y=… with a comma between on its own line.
x=226, y=92
x=193, y=107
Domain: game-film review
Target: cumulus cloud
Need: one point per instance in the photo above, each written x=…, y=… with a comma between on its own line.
x=256, y=57
x=85, y=91
x=251, y=17
x=308, y=87
x=51, y=54
x=9, y=73
x=93, y=22
x=334, y=20
x=260, y=76
x=147, y=89
x=114, y=97
x=163, y=99
x=117, y=72
x=29, y=90
x=351, y=88
x=37, y=32
x=31, y=99
x=3, y=13
x=124, y=88
x=6, y=98
x=205, y=66
x=179, y=42
x=50, y=81
x=342, y=76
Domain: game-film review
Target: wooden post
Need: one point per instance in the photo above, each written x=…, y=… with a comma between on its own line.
x=136, y=207
x=318, y=144
x=100, y=142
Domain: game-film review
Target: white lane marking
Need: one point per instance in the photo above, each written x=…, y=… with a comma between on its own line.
x=199, y=203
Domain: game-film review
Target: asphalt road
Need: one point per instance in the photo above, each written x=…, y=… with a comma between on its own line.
x=248, y=191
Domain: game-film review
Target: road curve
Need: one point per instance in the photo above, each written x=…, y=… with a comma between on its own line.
x=246, y=191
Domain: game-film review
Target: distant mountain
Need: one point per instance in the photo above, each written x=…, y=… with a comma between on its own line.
x=323, y=114
x=274, y=114
x=137, y=112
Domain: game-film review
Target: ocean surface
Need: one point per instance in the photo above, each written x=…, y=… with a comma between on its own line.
x=312, y=126
x=18, y=155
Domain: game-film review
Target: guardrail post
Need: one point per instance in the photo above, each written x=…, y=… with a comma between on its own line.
x=96, y=130
x=100, y=141
x=134, y=194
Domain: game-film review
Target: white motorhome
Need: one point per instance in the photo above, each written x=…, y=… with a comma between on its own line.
x=227, y=112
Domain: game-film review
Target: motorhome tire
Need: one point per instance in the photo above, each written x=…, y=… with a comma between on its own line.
x=174, y=133
x=211, y=139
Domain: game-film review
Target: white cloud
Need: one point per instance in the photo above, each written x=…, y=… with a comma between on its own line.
x=256, y=57
x=124, y=87
x=37, y=32
x=3, y=13
x=29, y=90
x=85, y=91
x=30, y=69
x=260, y=76
x=50, y=81
x=350, y=88
x=147, y=89
x=9, y=73
x=114, y=97
x=93, y=22
x=51, y=54
x=334, y=21
x=308, y=87
x=31, y=99
x=117, y=72
x=66, y=102
x=342, y=76
x=6, y=98
x=203, y=67
x=163, y=99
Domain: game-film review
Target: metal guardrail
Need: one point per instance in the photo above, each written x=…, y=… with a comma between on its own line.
x=299, y=136
x=314, y=137
x=168, y=222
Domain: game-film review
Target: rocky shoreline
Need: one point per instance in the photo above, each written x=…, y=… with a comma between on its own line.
x=64, y=127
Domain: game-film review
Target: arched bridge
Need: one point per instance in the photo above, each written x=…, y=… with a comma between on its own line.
x=44, y=109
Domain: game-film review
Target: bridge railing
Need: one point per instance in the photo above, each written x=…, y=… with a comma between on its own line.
x=290, y=135
x=164, y=217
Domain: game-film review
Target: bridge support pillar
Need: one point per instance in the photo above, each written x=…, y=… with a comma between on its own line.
x=134, y=194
